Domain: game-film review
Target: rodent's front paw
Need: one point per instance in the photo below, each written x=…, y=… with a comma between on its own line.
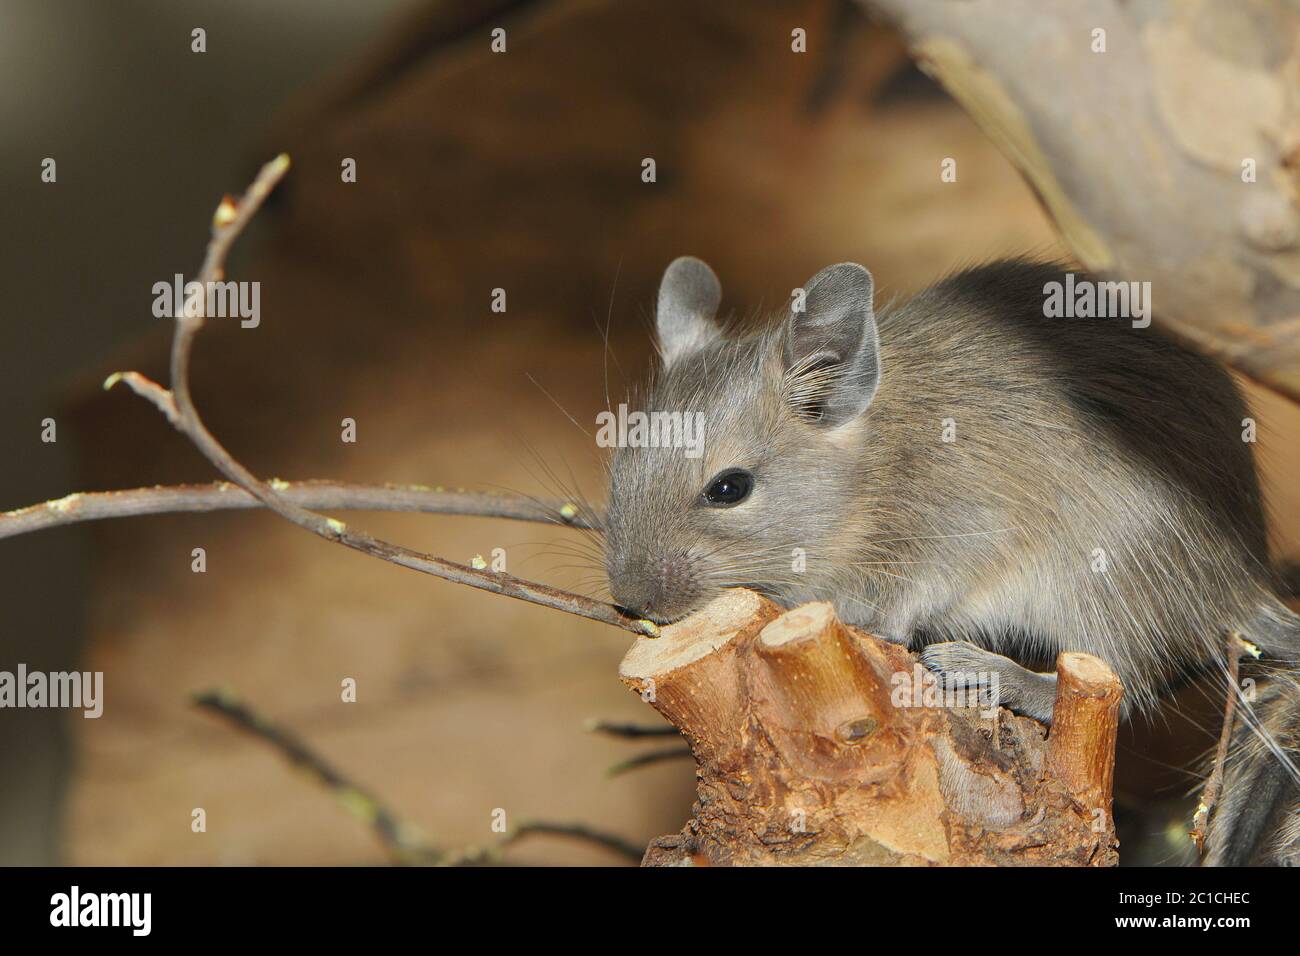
x=962, y=661
x=998, y=679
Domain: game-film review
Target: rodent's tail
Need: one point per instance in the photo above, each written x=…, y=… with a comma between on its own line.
x=1257, y=820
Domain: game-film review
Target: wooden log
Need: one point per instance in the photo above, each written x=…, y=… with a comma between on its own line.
x=1163, y=139
x=817, y=744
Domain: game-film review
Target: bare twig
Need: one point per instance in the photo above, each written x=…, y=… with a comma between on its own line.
x=578, y=831
x=628, y=731
x=631, y=731
x=178, y=405
x=405, y=843
x=648, y=758
x=1214, y=783
x=315, y=494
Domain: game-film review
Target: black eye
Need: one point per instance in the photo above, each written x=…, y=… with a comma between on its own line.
x=729, y=488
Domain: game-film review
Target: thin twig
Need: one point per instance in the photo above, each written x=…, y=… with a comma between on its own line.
x=405, y=843
x=178, y=405
x=468, y=856
x=1210, y=794
x=648, y=758
x=614, y=728
x=315, y=494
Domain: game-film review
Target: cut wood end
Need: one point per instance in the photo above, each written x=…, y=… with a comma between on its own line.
x=1086, y=673
x=806, y=621
x=693, y=638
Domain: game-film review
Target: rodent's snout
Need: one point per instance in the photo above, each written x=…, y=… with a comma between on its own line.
x=663, y=588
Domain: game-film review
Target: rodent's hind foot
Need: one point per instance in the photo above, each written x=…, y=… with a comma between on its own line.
x=1017, y=688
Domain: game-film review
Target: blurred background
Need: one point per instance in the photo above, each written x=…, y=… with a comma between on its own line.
x=475, y=171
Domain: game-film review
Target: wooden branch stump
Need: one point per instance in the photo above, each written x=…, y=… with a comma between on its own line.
x=1085, y=721
x=818, y=744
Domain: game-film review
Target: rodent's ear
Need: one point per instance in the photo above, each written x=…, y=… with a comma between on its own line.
x=689, y=295
x=832, y=353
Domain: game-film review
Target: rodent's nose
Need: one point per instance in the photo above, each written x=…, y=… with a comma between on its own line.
x=636, y=591
x=656, y=587
x=638, y=601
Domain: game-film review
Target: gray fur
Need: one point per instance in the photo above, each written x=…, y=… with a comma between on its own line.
x=834, y=339
x=1072, y=435
x=1024, y=691
x=689, y=296
x=1257, y=821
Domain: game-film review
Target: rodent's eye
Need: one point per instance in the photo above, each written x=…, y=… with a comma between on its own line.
x=729, y=488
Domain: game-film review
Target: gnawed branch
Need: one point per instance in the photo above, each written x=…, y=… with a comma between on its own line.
x=814, y=747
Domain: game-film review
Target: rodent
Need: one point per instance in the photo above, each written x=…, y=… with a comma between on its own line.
x=963, y=474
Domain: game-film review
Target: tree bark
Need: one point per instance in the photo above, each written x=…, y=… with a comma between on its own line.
x=1163, y=139
x=818, y=744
